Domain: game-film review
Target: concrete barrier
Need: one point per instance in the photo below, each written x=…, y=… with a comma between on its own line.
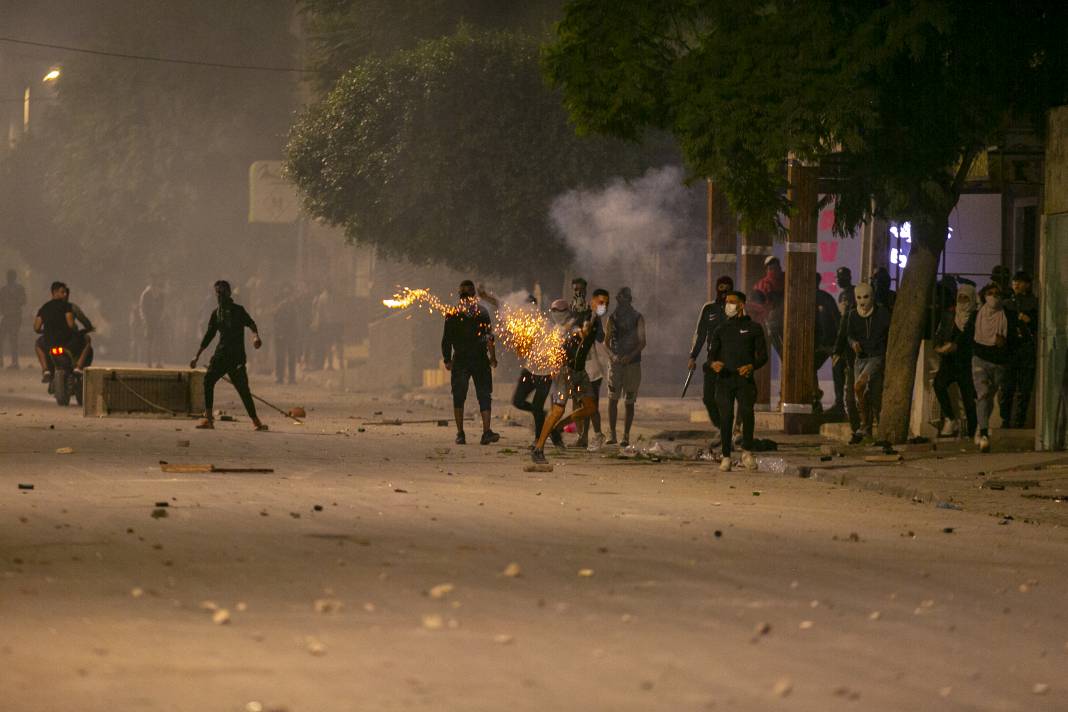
x=153, y=392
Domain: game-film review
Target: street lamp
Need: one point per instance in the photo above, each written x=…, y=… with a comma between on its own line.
x=53, y=74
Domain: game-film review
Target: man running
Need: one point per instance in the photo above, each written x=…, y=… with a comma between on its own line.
x=469, y=353
x=229, y=321
x=571, y=381
x=535, y=382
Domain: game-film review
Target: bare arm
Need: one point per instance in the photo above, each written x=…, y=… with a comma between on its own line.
x=38, y=324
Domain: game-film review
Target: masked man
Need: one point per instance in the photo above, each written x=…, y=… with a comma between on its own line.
x=469, y=353
x=863, y=333
x=738, y=348
x=712, y=316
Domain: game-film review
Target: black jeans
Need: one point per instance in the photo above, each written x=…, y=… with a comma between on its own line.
x=730, y=389
x=538, y=385
x=948, y=374
x=481, y=374
x=238, y=375
x=1016, y=390
x=709, y=397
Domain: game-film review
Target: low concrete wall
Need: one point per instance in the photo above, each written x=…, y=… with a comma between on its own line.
x=155, y=392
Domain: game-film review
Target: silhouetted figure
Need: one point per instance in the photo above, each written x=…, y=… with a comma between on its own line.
x=12, y=303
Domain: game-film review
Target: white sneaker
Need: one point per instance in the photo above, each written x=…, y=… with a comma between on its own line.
x=949, y=428
x=984, y=443
x=977, y=436
x=724, y=464
x=597, y=443
x=749, y=460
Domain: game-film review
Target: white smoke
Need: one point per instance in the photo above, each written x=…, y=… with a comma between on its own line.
x=624, y=219
x=647, y=234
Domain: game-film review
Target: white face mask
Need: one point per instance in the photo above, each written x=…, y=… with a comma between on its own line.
x=558, y=317
x=602, y=310
x=731, y=310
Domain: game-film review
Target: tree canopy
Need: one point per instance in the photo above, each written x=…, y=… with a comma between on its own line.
x=451, y=153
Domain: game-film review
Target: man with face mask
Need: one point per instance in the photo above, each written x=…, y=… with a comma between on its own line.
x=579, y=305
x=738, y=349
x=469, y=353
x=990, y=353
x=846, y=301
x=864, y=332
x=597, y=368
x=571, y=381
x=954, y=346
x=625, y=336
x=712, y=316
x=1022, y=310
x=229, y=320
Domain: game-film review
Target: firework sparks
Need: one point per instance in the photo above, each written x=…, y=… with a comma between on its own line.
x=531, y=337
x=408, y=297
x=520, y=329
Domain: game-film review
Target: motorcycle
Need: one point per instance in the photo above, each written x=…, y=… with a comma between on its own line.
x=67, y=382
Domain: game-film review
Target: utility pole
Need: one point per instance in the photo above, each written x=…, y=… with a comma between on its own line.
x=799, y=337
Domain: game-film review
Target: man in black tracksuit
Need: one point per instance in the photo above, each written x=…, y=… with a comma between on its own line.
x=468, y=351
x=738, y=349
x=229, y=321
x=864, y=333
x=711, y=318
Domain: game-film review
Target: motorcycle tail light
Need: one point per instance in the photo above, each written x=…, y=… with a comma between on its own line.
x=57, y=351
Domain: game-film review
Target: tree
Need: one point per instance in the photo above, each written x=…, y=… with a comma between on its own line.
x=898, y=97
x=343, y=33
x=450, y=153
x=143, y=166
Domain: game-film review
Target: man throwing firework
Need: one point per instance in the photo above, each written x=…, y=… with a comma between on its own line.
x=467, y=348
x=571, y=380
x=229, y=321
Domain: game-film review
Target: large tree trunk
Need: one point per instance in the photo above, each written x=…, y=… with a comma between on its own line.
x=906, y=326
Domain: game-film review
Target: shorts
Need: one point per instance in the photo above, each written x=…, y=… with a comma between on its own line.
x=483, y=378
x=571, y=384
x=624, y=380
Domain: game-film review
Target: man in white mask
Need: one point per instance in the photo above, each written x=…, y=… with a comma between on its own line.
x=954, y=347
x=864, y=332
x=990, y=353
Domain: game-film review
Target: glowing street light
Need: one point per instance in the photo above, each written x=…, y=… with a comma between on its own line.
x=52, y=75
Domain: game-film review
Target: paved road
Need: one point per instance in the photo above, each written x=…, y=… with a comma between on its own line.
x=640, y=586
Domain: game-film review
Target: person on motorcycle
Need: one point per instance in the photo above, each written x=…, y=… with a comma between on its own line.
x=229, y=321
x=81, y=344
x=55, y=323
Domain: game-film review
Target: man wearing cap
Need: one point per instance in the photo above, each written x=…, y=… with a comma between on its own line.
x=571, y=381
x=712, y=316
x=1022, y=311
x=738, y=349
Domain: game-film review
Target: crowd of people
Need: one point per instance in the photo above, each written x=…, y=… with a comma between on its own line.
x=985, y=342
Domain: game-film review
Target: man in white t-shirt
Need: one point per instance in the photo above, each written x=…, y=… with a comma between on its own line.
x=597, y=364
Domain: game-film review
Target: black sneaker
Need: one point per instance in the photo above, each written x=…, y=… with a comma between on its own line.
x=537, y=456
x=461, y=439
x=857, y=439
x=557, y=438
x=624, y=443
x=46, y=377
x=489, y=437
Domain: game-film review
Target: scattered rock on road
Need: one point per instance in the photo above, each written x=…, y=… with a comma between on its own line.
x=441, y=590
x=512, y=570
x=221, y=617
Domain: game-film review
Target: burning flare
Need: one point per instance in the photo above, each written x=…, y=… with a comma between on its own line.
x=523, y=330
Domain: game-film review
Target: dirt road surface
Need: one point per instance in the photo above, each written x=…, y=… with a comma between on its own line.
x=382, y=567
